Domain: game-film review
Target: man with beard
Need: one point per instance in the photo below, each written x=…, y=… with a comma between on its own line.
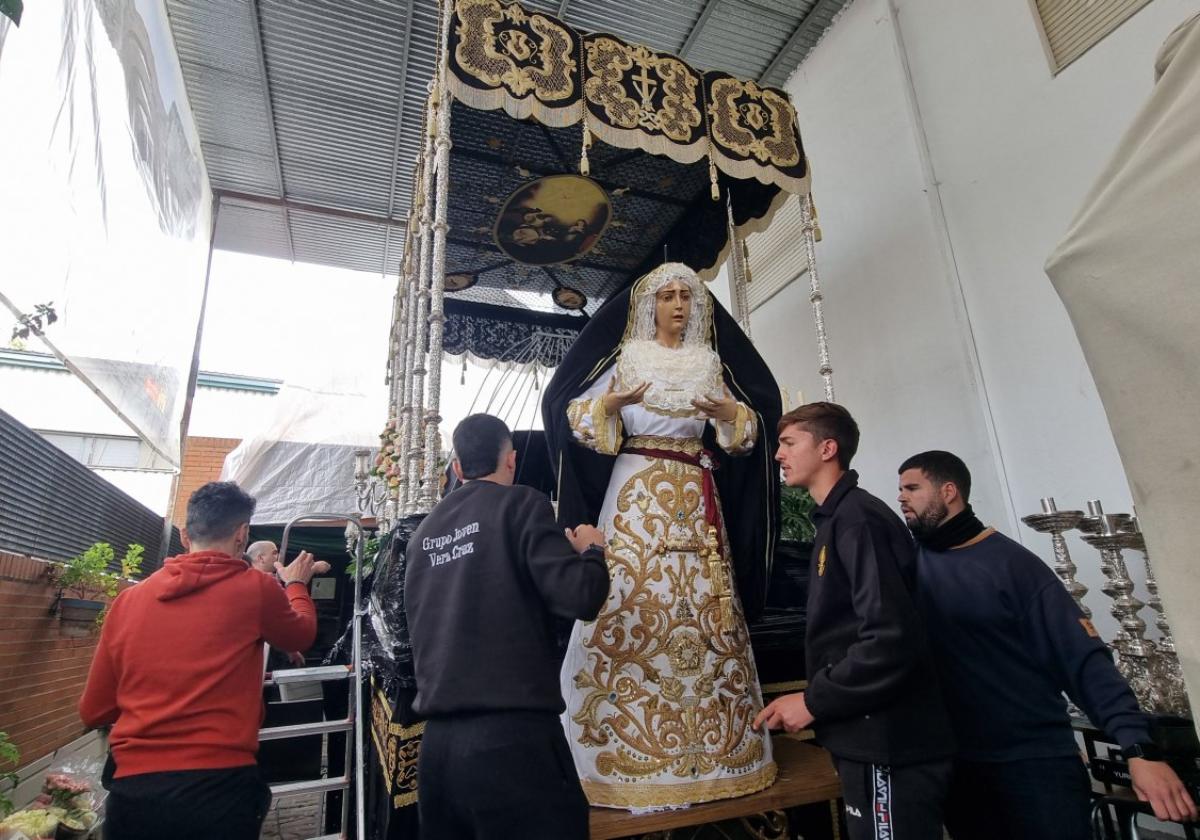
x=1008, y=640
x=872, y=696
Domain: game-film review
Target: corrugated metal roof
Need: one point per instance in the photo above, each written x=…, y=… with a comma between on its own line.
x=321, y=103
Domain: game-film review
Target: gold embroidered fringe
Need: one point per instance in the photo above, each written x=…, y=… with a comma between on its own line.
x=661, y=796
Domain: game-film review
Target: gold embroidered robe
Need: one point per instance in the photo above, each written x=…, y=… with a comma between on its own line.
x=660, y=689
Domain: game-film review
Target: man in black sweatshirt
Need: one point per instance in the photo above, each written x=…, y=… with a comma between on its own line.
x=488, y=574
x=1008, y=640
x=872, y=695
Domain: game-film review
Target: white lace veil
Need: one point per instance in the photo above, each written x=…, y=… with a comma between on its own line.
x=641, y=326
x=676, y=375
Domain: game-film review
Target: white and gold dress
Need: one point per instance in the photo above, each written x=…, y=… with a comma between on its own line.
x=661, y=688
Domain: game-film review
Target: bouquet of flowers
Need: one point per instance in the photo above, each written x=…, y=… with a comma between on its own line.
x=65, y=809
x=387, y=462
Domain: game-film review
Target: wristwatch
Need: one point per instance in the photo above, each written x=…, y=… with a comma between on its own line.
x=1147, y=750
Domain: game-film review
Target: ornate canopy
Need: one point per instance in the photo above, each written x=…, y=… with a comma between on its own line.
x=558, y=167
x=579, y=161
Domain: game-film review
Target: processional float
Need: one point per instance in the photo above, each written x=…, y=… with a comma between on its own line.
x=558, y=166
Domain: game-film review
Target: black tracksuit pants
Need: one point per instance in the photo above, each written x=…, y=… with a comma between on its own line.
x=893, y=803
x=499, y=776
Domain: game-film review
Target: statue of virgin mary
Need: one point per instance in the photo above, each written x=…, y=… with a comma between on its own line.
x=661, y=420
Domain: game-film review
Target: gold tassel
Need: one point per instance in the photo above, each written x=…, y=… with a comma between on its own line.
x=712, y=178
x=585, y=167
x=720, y=586
x=816, y=222
x=462, y=380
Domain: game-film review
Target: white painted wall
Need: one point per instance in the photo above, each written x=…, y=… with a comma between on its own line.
x=948, y=334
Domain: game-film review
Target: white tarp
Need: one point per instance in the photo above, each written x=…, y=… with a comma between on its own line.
x=104, y=201
x=303, y=460
x=1128, y=271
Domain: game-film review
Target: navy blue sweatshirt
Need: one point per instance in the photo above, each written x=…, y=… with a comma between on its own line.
x=488, y=572
x=1008, y=639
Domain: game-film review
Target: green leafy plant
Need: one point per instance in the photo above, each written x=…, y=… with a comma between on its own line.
x=86, y=575
x=9, y=756
x=796, y=507
x=370, y=555
x=131, y=563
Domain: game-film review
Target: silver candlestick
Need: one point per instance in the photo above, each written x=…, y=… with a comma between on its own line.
x=1093, y=523
x=1135, y=653
x=1166, y=662
x=1055, y=522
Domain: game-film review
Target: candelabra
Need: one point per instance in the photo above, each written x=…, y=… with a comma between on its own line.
x=371, y=494
x=1135, y=653
x=1056, y=522
x=1165, y=664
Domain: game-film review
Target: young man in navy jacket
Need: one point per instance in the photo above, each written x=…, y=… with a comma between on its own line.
x=1008, y=640
x=489, y=572
x=872, y=695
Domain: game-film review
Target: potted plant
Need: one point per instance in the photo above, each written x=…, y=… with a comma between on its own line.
x=85, y=577
x=8, y=779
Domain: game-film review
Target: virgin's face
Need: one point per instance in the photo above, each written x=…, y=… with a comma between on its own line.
x=672, y=308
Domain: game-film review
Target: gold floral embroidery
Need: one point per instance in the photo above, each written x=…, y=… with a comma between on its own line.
x=667, y=689
x=397, y=748
x=753, y=122
x=610, y=64
x=593, y=427
x=686, y=653
x=742, y=430
x=688, y=446
x=501, y=44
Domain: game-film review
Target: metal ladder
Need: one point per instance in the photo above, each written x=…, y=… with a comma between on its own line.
x=354, y=719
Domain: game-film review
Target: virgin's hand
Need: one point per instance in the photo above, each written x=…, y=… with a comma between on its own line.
x=615, y=400
x=723, y=408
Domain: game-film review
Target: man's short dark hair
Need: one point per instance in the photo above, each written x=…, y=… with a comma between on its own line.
x=216, y=510
x=825, y=421
x=942, y=468
x=479, y=441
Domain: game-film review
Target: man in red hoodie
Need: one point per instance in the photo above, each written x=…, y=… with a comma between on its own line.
x=178, y=676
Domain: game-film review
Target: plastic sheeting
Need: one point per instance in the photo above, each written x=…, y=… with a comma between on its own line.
x=105, y=207
x=1127, y=271
x=303, y=460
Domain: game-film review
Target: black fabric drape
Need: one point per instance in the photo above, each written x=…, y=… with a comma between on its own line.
x=748, y=485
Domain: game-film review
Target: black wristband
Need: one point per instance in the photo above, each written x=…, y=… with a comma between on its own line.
x=1146, y=749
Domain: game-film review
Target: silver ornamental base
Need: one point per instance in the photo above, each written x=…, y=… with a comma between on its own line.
x=1056, y=522
x=1165, y=667
x=1135, y=654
